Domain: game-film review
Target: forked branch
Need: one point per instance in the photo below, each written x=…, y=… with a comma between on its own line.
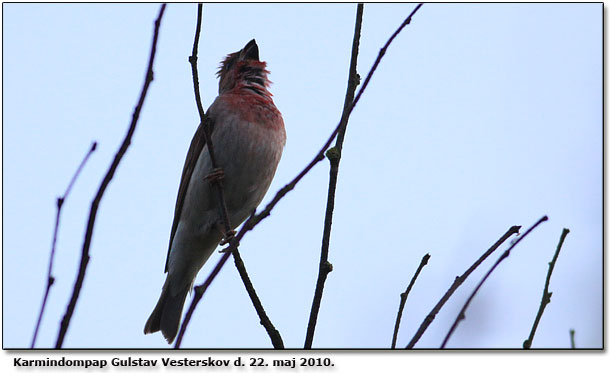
x=334, y=157
x=456, y=284
x=255, y=219
x=274, y=334
x=461, y=314
x=65, y=322
x=60, y=203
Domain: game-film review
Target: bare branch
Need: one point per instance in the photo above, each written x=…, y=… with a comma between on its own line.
x=274, y=334
x=255, y=219
x=546, y=295
x=206, y=122
x=98, y=197
x=456, y=284
x=60, y=203
x=461, y=315
x=403, y=298
x=198, y=293
x=334, y=156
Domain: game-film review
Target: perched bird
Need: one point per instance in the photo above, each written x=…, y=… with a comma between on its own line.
x=248, y=137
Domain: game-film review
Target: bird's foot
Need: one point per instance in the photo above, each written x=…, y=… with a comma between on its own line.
x=215, y=176
x=228, y=236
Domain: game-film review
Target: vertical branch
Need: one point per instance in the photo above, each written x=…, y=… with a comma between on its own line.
x=504, y=255
x=65, y=323
x=546, y=295
x=255, y=219
x=275, y=336
x=334, y=156
x=456, y=284
x=60, y=203
x=352, y=82
x=403, y=298
x=206, y=123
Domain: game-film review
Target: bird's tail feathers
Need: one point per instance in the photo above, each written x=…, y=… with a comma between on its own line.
x=166, y=315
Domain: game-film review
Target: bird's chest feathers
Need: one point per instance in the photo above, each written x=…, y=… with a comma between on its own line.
x=250, y=107
x=248, y=150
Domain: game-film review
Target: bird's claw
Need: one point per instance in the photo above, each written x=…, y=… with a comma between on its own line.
x=216, y=175
x=228, y=236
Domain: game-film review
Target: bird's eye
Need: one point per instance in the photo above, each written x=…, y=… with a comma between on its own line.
x=229, y=64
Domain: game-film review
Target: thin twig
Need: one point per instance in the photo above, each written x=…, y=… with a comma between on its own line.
x=98, y=197
x=403, y=298
x=572, y=343
x=504, y=255
x=204, y=121
x=198, y=293
x=60, y=203
x=334, y=156
x=546, y=295
x=456, y=284
x=255, y=219
x=274, y=334
x=352, y=81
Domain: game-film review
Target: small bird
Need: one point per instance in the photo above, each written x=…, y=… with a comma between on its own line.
x=248, y=137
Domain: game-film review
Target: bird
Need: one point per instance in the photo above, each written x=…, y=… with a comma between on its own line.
x=248, y=135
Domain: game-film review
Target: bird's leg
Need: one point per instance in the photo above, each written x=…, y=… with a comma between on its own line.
x=227, y=236
x=216, y=175
x=213, y=177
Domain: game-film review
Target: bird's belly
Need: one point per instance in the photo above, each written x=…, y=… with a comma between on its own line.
x=249, y=167
x=249, y=157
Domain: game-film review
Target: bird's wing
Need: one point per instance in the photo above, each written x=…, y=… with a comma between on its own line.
x=197, y=144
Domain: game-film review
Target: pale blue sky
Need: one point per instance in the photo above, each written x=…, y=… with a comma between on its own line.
x=479, y=117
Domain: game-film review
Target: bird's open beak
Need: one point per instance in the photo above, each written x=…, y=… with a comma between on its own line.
x=250, y=51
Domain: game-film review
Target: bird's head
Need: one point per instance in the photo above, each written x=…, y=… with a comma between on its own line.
x=244, y=69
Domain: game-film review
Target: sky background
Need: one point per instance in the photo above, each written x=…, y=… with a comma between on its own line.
x=479, y=117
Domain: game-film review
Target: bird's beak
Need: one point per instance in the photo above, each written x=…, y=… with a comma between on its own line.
x=250, y=51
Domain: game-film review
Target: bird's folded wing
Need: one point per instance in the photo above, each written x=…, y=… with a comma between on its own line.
x=197, y=144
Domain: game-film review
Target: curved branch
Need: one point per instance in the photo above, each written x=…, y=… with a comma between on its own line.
x=334, y=157
x=65, y=322
x=546, y=295
x=456, y=284
x=403, y=298
x=255, y=219
x=274, y=334
x=504, y=255
x=60, y=203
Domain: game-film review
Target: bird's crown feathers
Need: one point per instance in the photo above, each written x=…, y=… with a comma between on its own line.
x=243, y=69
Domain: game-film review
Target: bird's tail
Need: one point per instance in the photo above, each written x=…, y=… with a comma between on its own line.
x=166, y=315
